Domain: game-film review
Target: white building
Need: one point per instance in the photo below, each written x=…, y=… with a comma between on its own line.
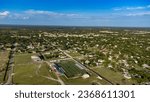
x=35, y=58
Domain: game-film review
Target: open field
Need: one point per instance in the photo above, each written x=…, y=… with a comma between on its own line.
x=30, y=72
x=3, y=59
x=80, y=81
x=71, y=69
x=3, y=62
x=45, y=71
x=2, y=76
x=115, y=77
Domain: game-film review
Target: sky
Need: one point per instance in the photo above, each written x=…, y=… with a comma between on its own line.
x=124, y=13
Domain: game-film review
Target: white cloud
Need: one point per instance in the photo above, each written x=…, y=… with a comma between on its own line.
x=19, y=16
x=39, y=12
x=5, y=13
x=49, y=13
x=135, y=8
x=139, y=14
x=132, y=8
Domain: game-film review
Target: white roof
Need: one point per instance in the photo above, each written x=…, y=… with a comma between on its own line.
x=85, y=76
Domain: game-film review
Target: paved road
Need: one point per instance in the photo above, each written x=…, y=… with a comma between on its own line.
x=10, y=68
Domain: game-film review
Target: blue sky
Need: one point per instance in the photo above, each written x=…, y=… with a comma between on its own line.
x=134, y=13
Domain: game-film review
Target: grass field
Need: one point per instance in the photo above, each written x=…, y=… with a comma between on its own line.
x=28, y=72
x=1, y=76
x=44, y=71
x=71, y=70
x=115, y=77
x=80, y=81
x=23, y=58
x=3, y=60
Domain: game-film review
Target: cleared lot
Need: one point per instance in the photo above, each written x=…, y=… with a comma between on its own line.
x=30, y=72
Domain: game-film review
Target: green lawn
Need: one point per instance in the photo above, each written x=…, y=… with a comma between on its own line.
x=81, y=81
x=27, y=72
x=45, y=71
x=23, y=58
x=115, y=77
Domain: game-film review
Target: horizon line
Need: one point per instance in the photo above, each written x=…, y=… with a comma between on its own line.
x=38, y=25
